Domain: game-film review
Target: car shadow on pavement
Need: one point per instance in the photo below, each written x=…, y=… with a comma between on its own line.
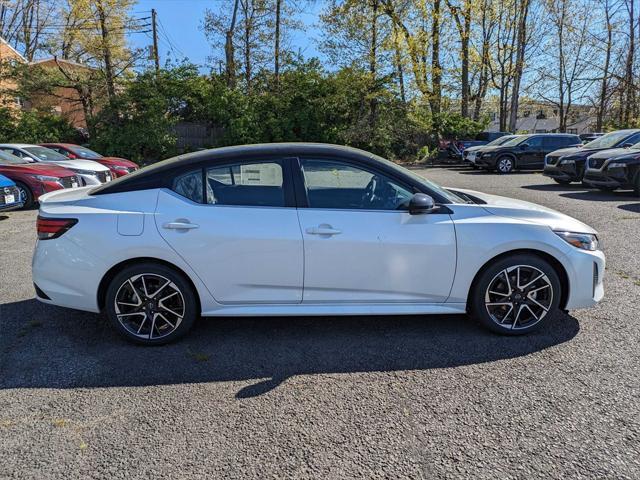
x=599, y=195
x=632, y=207
x=42, y=346
x=555, y=187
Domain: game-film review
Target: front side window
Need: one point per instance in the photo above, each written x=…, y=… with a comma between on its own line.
x=333, y=184
x=534, y=142
x=258, y=184
x=46, y=154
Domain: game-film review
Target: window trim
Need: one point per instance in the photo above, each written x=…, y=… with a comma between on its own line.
x=287, y=184
x=301, y=187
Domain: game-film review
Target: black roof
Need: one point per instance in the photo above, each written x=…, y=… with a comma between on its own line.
x=147, y=177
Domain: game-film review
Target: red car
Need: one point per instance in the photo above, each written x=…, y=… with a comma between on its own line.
x=119, y=166
x=35, y=178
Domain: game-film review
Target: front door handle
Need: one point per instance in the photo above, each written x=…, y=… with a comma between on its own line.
x=180, y=226
x=323, y=230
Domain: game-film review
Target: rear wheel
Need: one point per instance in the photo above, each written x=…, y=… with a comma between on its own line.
x=151, y=304
x=516, y=295
x=26, y=194
x=505, y=165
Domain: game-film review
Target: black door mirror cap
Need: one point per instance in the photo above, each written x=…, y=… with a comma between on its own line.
x=420, y=204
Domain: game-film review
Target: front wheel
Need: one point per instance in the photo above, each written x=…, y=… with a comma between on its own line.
x=505, y=165
x=562, y=182
x=25, y=193
x=151, y=304
x=516, y=295
x=636, y=185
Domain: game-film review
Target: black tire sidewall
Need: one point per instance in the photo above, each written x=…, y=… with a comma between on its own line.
x=191, y=304
x=477, y=305
x=562, y=182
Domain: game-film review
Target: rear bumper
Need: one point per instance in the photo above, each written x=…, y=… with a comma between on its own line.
x=12, y=206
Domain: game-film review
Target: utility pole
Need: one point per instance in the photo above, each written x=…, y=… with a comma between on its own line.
x=156, y=57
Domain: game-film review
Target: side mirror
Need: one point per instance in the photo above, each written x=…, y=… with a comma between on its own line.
x=421, y=204
x=627, y=145
x=524, y=146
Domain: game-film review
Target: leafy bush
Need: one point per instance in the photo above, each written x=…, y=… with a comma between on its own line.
x=36, y=127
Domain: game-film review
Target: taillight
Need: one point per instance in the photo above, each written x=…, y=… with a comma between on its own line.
x=49, y=228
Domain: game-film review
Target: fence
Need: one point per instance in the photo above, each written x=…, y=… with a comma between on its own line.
x=195, y=136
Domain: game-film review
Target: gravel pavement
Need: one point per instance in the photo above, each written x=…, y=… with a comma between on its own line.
x=383, y=397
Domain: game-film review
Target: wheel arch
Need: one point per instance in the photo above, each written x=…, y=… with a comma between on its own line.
x=114, y=270
x=554, y=262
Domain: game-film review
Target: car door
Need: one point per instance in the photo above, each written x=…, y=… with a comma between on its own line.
x=236, y=225
x=361, y=244
x=532, y=155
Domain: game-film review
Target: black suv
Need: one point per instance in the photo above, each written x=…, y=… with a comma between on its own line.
x=610, y=169
x=524, y=152
x=568, y=164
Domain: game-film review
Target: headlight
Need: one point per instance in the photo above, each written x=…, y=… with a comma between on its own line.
x=121, y=168
x=47, y=178
x=487, y=154
x=616, y=165
x=567, y=161
x=583, y=241
x=84, y=172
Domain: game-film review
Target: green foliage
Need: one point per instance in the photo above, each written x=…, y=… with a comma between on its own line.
x=35, y=127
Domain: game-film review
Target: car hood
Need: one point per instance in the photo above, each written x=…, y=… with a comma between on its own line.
x=475, y=148
x=615, y=152
x=527, y=211
x=37, y=169
x=116, y=161
x=81, y=165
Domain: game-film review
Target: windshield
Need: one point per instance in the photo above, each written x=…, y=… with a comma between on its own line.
x=46, y=154
x=501, y=140
x=7, y=158
x=609, y=140
x=516, y=140
x=84, y=152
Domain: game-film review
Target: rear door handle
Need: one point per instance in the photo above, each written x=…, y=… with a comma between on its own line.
x=323, y=230
x=180, y=226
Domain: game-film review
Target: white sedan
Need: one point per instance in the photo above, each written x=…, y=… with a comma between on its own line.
x=90, y=172
x=305, y=229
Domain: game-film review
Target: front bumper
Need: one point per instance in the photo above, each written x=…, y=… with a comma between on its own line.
x=486, y=162
x=585, y=270
x=12, y=206
x=572, y=172
x=613, y=178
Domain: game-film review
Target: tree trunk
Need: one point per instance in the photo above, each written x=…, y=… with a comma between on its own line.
x=373, y=53
x=520, y=53
x=602, y=104
x=629, y=84
x=399, y=68
x=466, y=33
x=436, y=68
x=230, y=67
x=276, y=67
x=106, y=50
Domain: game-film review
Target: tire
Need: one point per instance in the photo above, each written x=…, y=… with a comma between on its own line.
x=151, y=304
x=607, y=189
x=562, y=182
x=26, y=193
x=525, y=309
x=636, y=184
x=505, y=165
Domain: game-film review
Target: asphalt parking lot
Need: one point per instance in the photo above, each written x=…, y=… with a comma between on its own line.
x=419, y=397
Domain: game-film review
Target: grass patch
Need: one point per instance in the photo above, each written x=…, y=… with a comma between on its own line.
x=198, y=356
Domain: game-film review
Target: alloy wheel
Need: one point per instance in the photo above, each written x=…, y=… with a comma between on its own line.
x=149, y=306
x=518, y=297
x=505, y=165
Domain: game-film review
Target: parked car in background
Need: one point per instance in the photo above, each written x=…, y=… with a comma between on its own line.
x=119, y=166
x=10, y=198
x=306, y=229
x=470, y=154
x=34, y=179
x=90, y=172
x=613, y=169
x=456, y=148
x=568, y=164
x=526, y=152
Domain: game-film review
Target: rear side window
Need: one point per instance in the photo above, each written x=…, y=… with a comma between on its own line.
x=189, y=185
x=258, y=184
x=534, y=142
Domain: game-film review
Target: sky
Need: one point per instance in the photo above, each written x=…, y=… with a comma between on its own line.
x=180, y=34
